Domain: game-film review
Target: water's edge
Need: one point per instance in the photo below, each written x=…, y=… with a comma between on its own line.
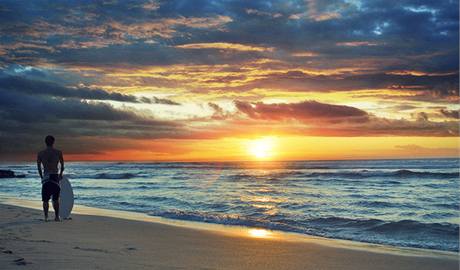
x=404, y=203
x=239, y=231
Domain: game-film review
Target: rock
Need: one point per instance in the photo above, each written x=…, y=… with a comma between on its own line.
x=10, y=174
x=6, y=174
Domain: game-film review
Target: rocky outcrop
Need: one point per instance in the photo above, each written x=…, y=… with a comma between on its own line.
x=10, y=174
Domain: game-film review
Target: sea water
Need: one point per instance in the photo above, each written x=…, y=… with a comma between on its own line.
x=409, y=203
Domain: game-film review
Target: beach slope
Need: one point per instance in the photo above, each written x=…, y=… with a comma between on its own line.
x=101, y=242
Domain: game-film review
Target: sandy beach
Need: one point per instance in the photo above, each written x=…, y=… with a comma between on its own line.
x=106, y=239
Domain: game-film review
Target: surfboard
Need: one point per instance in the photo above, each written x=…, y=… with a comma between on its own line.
x=66, y=201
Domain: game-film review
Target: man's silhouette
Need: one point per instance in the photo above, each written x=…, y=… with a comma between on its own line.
x=49, y=158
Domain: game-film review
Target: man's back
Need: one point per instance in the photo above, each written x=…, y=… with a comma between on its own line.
x=50, y=158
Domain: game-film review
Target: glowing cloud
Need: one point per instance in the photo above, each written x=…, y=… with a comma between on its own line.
x=225, y=46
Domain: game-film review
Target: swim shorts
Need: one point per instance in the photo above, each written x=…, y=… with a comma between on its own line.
x=51, y=188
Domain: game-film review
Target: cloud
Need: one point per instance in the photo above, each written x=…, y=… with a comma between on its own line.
x=225, y=46
x=318, y=11
x=303, y=111
x=356, y=43
x=77, y=34
x=156, y=100
x=218, y=112
x=422, y=116
x=437, y=85
x=251, y=11
x=164, y=27
x=84, y=126
x=28, y=108
x=151, y=5
x=320, y=119
x=450, y=113
x=63, y=63
x=107, y=35
x=36, y=87
x=304, y=54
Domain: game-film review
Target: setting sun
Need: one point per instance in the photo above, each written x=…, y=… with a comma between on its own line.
x=262, y=148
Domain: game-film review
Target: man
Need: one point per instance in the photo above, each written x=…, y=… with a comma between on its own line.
x=49, y=158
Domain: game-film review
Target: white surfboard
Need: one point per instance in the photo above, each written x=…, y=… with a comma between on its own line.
x=66, y=200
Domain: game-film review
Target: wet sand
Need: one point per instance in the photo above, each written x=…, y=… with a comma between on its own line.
x=106, y=239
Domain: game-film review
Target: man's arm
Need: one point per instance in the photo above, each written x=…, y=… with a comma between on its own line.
x=61, y=160
x=39, y=166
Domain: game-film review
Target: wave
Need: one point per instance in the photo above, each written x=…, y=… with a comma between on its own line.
x=80, y=187
x=288, y=176
x=442, y=230
x=149, y=187
x=377, y=225
x=109, y=176
x=338, y=175
x=226, y=219
x=409, y=173
x=453, y=206
x=403, y=173
x=409, y=233
x=385, y=204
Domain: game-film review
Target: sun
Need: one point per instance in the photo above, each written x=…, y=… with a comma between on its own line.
x=262, y=148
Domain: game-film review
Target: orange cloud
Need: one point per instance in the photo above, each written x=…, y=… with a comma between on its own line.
x=225, y=46
x=304, y=111
x=357, y=43
x=305, y=54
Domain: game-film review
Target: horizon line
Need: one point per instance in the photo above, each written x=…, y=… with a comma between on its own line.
x=236, y=161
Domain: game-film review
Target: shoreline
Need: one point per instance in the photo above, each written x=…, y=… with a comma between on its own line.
x=238, y=230
x=110, y=239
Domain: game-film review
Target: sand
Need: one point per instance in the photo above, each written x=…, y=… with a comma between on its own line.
x=99, y=239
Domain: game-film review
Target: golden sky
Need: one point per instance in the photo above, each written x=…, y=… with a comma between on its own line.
x=230, y=80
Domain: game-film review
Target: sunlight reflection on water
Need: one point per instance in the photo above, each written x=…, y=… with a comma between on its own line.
x=259, y=233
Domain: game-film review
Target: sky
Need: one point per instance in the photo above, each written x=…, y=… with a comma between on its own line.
x=230, y=80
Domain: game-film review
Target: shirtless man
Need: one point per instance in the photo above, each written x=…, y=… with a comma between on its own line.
x=49, y=158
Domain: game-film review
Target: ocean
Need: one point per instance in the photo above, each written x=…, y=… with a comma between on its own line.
x=405, y=203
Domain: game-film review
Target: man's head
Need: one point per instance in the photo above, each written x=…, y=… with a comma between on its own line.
x=49, y=140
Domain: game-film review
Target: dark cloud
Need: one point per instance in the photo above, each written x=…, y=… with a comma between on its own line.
x=422, y=116
x=303, y=111
x=26, y=117
x=420, y=36
x=35, y=87
x=28, y=108
x=450, y=113
x=335, y=120
x=378, y=126
x=218, y=112
x=156, y=100
x=437, y=85
x=78, y=32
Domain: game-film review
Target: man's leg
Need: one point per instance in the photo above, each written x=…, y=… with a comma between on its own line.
x=56, y=210
x=46, y=206
x=55, y=196
x=45, y=199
